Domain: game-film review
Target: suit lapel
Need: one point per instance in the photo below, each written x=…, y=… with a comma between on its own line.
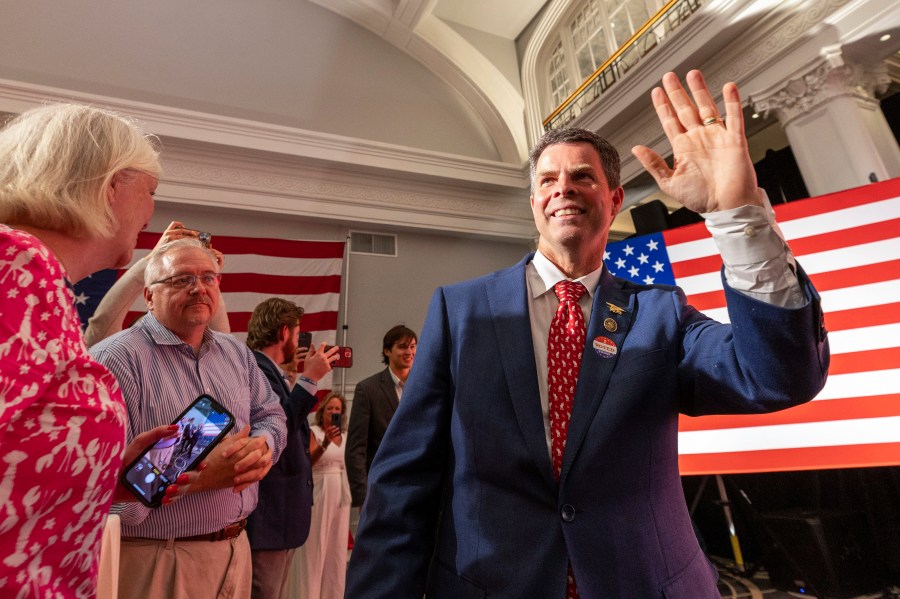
x=390, y=390
x=265, y=363
x=611, y=301
x=507, y=298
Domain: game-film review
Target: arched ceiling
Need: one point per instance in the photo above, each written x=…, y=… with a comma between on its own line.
x=425, y=30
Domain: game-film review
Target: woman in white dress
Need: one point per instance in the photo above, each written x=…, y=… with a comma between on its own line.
x=321, y=563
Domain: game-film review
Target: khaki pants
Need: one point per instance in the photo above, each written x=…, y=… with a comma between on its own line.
x=270, y=572
x=170, y=569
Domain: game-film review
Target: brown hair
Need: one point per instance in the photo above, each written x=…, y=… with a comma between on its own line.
x=268, y=318
x=609, y=157
x=396, y=334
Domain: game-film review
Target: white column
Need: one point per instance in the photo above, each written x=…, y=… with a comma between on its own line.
x=837, y=131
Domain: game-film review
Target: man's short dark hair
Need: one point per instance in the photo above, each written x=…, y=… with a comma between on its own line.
x=268, y=318
x=396, y=335
x=609, y=157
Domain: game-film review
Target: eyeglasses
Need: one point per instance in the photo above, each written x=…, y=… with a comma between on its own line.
x=207, y=279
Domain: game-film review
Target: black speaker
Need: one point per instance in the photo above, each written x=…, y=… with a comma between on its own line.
x=651, y=217
x=826, y=553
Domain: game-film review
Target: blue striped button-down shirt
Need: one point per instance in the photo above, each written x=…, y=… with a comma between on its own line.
x=159, y=376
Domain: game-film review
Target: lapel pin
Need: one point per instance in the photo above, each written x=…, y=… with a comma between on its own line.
x=610, y=325
x=615, y=309
x=605, y=347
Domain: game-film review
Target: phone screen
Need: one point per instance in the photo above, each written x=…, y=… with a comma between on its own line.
x=200, y=427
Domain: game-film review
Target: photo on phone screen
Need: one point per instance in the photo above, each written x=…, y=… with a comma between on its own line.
x=200, y=427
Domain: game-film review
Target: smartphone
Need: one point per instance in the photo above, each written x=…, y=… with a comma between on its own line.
x=201, y=426
x=305, y=339
x=345, y=357
x=336, y=420
x=205, y=239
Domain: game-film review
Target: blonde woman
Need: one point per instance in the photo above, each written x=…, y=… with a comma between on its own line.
x=76, y=188
x=321, y=563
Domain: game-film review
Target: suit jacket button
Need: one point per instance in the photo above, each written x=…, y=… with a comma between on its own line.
x=568, y=513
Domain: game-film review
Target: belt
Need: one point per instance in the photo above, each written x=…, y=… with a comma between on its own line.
x=229, y=532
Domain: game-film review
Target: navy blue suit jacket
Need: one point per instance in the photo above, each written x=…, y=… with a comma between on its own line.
x=281, y=518
x=462, y=499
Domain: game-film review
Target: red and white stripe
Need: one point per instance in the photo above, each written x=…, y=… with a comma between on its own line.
x=849, y=244
x=307, y=273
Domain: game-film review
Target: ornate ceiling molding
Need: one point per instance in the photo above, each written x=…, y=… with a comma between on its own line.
x=176, y=123
x=831, y=78
x=263, y=183
x=225, y=162
x=772, y=45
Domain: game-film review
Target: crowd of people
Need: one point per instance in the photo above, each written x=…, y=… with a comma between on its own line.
x=569, y=489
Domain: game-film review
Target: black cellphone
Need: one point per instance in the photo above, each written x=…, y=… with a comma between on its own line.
x=201, y=426
x=345, y=357
x=305, y=339
x=336, y=420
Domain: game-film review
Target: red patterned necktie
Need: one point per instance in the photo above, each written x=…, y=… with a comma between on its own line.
x=564, y=347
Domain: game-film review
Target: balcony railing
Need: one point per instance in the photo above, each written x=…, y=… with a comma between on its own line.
x=644, y=40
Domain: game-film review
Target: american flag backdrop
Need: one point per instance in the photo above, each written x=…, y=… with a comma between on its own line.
x=307, y=273
x=849, y=244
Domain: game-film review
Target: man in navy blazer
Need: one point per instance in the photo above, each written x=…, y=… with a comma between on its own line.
x=280, y=522
x=463, y=501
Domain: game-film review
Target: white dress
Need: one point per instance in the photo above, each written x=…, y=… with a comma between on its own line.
x=320, y=565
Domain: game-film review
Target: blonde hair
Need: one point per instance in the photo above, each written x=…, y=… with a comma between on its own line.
x=57, y=161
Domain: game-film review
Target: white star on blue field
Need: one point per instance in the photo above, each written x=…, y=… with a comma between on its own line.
x=640, y=259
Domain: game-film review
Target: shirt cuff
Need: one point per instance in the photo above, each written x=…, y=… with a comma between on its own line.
x=309, y=385
x=757, y=260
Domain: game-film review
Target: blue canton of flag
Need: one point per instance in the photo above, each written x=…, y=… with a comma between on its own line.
x=640, y=259
x=90, y=290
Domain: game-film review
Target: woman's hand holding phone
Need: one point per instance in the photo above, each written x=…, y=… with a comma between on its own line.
x=333, y=435
x=134, y=449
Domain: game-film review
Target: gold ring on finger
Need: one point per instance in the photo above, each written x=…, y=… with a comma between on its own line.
x=712, y=120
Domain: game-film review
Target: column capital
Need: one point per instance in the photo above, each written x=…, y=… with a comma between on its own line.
x=831, y=77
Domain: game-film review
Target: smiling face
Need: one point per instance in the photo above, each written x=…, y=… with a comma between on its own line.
x=573, y=207
x=401, y=355
x=184, y=311
x=131, y=196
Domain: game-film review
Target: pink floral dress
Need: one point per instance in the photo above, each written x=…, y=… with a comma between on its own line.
x=62, y=430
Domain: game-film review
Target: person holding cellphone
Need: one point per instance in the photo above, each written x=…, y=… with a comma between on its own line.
x=321, y=564
x=281, y=520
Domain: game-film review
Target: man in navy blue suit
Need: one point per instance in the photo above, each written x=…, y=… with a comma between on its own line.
x=464, y=500
x=280, y=522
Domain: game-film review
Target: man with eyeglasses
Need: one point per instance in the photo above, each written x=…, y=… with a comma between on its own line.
x=197, y=546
